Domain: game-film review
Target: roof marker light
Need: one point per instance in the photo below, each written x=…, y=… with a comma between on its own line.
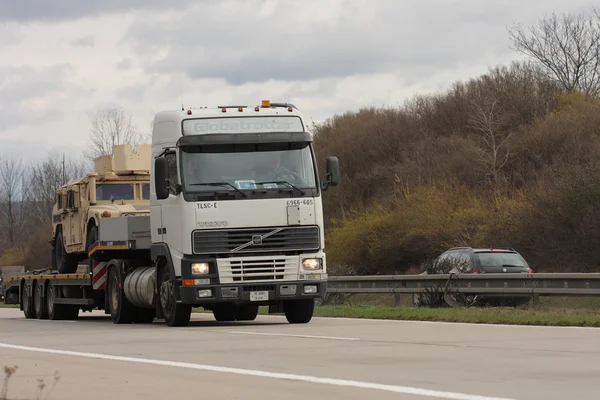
x=240, y=109
x=290, y=109
x=266, y=103
x=223, y=109
x=256, y=108
x=189, y=112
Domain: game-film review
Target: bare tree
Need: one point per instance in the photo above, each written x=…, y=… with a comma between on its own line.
x=489, y=121
x=568, y=48
x=44, y=179
x=11, y=190
x=111, y=126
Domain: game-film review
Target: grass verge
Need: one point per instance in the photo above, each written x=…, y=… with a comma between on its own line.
x=526, y=316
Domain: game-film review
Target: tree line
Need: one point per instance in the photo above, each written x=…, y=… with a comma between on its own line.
x=508, y=158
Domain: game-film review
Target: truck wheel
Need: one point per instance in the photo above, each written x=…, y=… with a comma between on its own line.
x=28, y=309
x=121, y=310
x=65, y=263
x=225, y=312
x=299, y=311
x=39, y=302
x=176, y=314
x=247, y=313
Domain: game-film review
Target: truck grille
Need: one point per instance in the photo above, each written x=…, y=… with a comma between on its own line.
x=256, y=240
x=237, y=270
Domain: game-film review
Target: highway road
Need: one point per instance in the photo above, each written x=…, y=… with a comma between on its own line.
x=325, y=359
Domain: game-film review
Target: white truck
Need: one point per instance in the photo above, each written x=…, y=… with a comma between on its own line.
x=236, y=222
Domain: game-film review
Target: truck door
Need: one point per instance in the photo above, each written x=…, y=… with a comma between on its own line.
x=73, y=221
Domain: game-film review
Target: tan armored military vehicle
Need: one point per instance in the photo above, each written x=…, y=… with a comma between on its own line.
x=119, y=186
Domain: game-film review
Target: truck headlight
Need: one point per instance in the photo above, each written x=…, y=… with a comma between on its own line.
x=200, y=269
x=312, y=263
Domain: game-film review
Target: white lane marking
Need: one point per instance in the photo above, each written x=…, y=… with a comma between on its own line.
x=264, y=374
x=292, y=335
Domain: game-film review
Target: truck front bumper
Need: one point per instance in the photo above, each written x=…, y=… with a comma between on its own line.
x=252, y=293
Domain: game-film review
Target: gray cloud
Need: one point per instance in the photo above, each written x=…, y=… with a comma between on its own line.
x=62, y=10
x=22, y=86
x=86, y=41
x=241, y=46
x=125, y=64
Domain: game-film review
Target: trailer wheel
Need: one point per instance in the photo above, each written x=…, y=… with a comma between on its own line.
x=225, y=312
x=55, y=311
x=28, y=309
x=121, y=310
x=176, y=314
x=247, y=313
x=39, y=302
x=299, y=311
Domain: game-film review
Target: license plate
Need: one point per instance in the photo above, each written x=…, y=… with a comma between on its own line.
x=259, y=296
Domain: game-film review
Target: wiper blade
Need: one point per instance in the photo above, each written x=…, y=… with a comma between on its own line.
x=282, y=182
x=514, y=266
x=220, y=184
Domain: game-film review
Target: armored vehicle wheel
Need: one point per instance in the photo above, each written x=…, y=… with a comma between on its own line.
x=65, y=263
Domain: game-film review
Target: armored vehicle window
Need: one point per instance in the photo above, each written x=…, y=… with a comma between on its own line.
x=145, y=191
x=70, y=199
x=114, y=191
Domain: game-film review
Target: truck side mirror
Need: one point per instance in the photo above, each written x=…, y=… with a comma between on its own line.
x=160, y=178
x=333, y=172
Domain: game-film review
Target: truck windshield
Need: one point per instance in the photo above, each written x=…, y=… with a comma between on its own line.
x=264, y=166
x=114, y=191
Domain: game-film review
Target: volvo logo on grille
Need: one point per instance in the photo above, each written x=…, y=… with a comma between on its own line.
x=256, y=240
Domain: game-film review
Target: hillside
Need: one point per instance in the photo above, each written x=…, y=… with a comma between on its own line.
x=504, y=159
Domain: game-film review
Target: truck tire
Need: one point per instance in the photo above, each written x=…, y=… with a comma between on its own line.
x=39, y=301
x=247, y=313
x=65, y=263
x=299, y=311
x=176, y=314
x=28, y=309
x=120, y=309
x=225, y=312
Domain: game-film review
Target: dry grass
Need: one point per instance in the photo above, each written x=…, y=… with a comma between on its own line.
x=41, y=384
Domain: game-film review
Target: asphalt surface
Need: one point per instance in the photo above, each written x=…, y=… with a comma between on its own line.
x=325, y=359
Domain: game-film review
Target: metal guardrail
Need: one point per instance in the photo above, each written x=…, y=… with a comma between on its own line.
x=534, y=285
x=546, y=284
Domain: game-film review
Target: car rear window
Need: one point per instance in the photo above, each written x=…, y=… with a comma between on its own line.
x=499, y=259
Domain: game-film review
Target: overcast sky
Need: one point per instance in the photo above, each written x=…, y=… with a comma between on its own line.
x=61, y=59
